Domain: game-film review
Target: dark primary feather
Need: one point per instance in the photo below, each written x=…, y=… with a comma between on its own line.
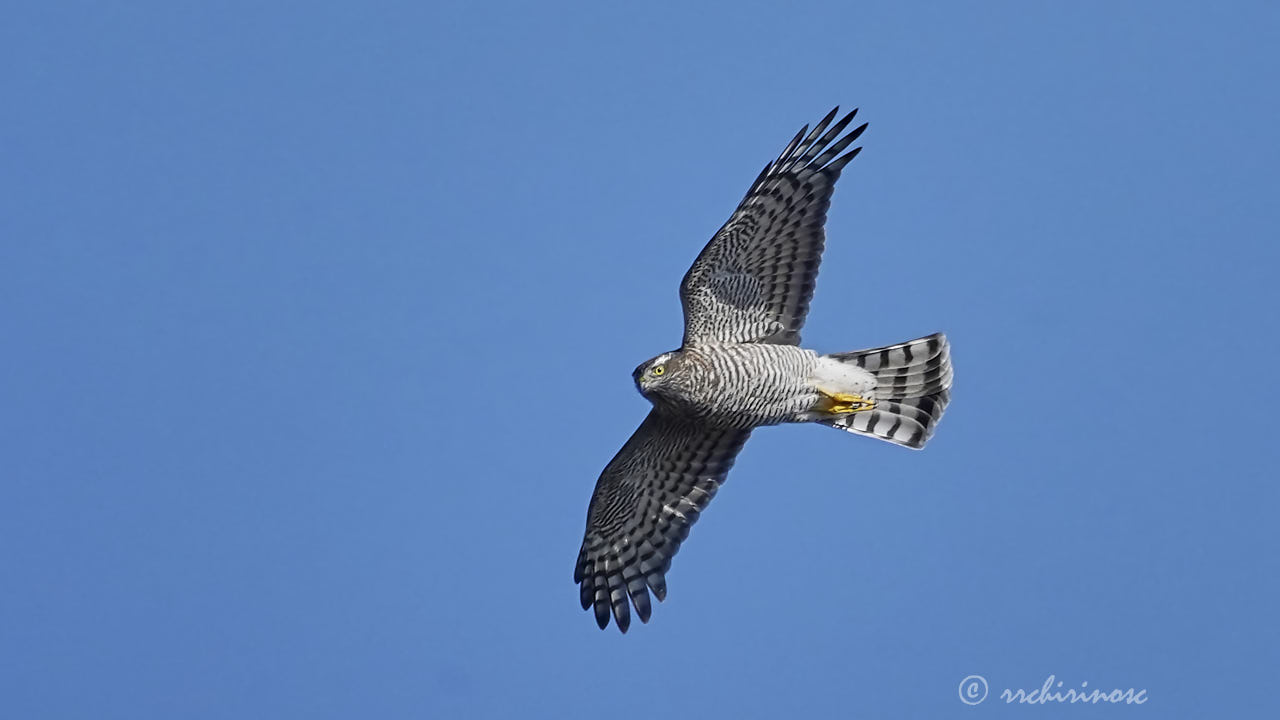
x=645, y=501
x=753, y=281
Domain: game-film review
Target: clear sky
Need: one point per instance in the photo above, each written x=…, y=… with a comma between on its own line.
x=318, y=322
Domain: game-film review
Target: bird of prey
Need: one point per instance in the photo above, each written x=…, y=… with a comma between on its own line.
x=740, y=367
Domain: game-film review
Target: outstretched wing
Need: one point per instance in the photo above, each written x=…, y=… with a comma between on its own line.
x=754, y=280
x=645, y=501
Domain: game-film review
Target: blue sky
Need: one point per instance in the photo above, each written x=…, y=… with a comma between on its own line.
x=319, y=320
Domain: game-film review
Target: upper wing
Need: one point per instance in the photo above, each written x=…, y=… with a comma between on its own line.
x=645, y=501
x=754, y=280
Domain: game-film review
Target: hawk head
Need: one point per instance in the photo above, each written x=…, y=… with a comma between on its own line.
x=657, y=374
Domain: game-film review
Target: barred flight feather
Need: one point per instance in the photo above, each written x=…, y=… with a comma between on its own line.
x=775, y=238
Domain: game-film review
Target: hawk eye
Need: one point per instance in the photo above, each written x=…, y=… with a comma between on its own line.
x=658, y=369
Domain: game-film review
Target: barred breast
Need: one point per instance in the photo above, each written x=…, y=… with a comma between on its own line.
x=746, y=385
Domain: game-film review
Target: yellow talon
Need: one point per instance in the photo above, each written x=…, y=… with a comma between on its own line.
x=844, y=403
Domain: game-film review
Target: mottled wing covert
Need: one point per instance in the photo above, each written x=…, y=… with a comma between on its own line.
x=645, y=501
x=754, y=280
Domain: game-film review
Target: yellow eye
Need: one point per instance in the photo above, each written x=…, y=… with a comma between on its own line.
x=658, y=370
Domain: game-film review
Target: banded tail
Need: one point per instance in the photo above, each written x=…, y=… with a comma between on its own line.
x=913, y=386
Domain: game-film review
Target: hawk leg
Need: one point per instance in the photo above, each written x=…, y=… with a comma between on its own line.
x=843, y=403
